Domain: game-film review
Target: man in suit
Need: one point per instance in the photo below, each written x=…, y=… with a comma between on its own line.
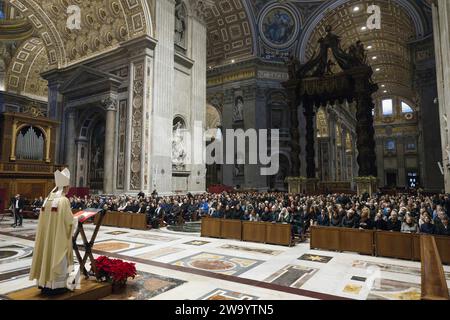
x=443, y=228
x=18, y=204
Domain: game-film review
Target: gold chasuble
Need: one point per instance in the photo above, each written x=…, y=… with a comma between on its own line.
x=53, y=254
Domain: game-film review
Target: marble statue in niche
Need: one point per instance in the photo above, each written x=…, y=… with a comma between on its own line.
x=239, y=167
x=238, y=109
x=178, y=149
x=180, y=24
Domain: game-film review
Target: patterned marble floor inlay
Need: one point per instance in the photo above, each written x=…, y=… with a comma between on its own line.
x=14, y=274
x=352, y=289
x=191, y=227
x=386, y=289
x=292, y=276
x=218, y=263
x=150, y=236
x=385, y=267
x=155, y=254
x=117, y=246
x=197, y=243
x=315, y=258
x=146, y=286
x=13, y=252
x=251, y=250
x=221, y=294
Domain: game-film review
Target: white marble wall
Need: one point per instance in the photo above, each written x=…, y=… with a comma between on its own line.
x=441, y=24
x=179, y=90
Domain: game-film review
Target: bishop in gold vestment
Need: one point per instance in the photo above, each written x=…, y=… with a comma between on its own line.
x=53, y=252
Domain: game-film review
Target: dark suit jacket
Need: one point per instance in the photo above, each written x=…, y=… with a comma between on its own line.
x=21, y=203
x=441, y=230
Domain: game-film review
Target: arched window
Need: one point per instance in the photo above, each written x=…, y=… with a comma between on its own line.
x=30, y=144
x=387, y=107
x=406, y=108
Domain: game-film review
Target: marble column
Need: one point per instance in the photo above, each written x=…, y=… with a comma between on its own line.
x=441, y=31
x=365, y=135
x=380, y=161
x=198, y=42
x=293, y=102
x=55, y=111
x=70, y=156
x=308, y=106
x=110, y=105
x=163, y=101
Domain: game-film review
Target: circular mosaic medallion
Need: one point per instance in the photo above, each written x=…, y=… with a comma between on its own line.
x=278, y=26
x=213, y=265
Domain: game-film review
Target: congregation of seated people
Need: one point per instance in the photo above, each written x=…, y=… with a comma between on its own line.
x=400, y=213
x=409, y=214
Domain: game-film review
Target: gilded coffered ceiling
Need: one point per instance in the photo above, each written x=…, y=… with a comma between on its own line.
x=236, y=29
x=230, y=34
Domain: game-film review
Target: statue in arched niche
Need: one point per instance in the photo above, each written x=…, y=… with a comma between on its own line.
x=178, y=150
x=180, y=23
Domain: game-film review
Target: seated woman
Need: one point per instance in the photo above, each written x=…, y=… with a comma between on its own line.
x=365, y=223
x=254, y=217
x=349, y=221
x=379, y=223
x=284, y=216
x=228, y=213
x=218, y=213
x=245, y=216
x=427, y=227
x=409, y=225
x=394, y=223
x=335, y=220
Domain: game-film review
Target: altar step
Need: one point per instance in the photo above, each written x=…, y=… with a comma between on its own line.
x=90, y=290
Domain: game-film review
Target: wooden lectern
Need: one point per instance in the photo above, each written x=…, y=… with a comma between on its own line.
x=87, y=245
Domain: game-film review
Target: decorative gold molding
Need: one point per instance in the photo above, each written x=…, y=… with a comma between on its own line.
x=232, y=77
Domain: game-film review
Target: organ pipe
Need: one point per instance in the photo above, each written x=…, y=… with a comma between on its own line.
x=30, y=146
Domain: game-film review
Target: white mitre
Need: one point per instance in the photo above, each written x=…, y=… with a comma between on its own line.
x=62, y=178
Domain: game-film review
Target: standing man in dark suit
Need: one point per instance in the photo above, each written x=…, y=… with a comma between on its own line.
x=18, y=204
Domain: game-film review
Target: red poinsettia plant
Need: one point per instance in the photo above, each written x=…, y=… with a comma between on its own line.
x=115, y=270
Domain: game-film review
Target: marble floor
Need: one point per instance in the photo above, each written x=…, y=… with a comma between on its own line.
x=178, y=264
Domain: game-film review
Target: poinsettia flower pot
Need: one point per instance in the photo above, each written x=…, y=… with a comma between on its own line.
x=119, y=287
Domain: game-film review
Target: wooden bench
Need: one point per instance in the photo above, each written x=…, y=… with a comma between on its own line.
x=263, y=232
x=124, y=220
x=434, y=284
x=380, y=243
